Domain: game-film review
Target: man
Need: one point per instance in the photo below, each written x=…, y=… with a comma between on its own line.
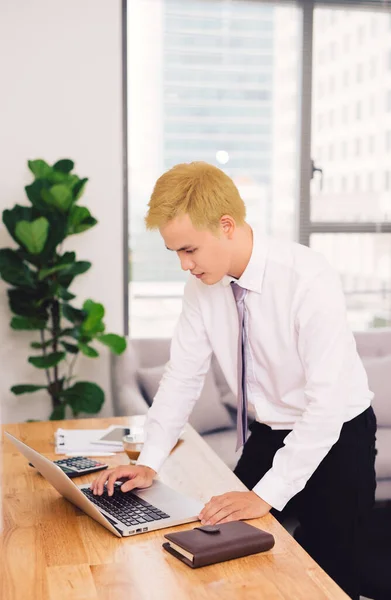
x=284, y=345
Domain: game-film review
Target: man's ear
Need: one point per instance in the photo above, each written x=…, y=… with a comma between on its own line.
x=227, y=225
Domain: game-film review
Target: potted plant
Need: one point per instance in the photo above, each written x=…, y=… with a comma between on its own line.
x=40, y=274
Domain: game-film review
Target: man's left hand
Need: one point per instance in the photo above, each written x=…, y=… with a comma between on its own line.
x=233, y=506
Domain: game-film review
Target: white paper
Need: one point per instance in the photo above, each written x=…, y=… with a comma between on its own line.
x=83, y=441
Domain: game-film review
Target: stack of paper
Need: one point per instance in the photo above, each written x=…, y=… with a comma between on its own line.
x=82, y=441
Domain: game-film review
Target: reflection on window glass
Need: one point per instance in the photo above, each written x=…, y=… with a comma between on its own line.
x=208, y=78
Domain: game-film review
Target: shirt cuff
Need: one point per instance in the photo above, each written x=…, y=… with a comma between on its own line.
x=274, y=490
x=152, y=456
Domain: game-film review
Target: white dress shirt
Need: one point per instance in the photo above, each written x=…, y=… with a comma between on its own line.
x=303, y=370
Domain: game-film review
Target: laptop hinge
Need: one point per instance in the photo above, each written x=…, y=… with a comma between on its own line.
x=113, y=523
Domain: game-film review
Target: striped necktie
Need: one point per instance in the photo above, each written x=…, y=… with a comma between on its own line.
x=241, y=423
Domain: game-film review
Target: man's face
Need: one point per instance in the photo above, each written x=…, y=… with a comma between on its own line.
x=205, y=254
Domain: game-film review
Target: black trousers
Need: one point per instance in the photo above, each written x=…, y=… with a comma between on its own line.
x=333, y=507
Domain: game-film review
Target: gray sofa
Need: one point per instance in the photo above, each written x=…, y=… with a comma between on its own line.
x=136, y=375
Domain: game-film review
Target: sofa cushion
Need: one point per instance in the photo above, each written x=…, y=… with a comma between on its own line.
x=379, y=380
x=383, y=457
x=230, y=400
x=209, y=414
x=224, y=444
x=373, y=342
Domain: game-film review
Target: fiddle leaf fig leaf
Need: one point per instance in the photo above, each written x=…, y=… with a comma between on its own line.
x=33, y=234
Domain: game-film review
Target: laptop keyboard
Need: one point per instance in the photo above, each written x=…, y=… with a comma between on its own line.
x=126, y=507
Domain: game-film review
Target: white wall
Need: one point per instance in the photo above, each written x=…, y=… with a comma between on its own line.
x=60, y=97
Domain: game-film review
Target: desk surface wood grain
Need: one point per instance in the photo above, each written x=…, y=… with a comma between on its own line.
x=50, y=550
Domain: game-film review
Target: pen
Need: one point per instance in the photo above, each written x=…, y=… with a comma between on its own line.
x=90, y=454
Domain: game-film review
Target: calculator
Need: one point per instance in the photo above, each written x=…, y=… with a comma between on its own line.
x=79, y=465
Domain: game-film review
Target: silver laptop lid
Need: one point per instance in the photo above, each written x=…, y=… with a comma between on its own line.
x=61, y=482
x=180, y=508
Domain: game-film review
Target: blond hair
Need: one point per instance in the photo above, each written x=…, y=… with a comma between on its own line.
x=198, y=189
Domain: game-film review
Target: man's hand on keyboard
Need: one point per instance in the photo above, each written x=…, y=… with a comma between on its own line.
x=137, y=476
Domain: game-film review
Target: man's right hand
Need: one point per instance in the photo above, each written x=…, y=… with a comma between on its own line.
x=137, y=476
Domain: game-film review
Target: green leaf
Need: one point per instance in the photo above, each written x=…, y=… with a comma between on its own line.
x=78, y=189
x=39, y=168
x=64, y=165
x=60, y=177
x=95, y=313
x=26, y=389
x=77, y=268
x=116, y=343
x=66, y=276
x=84, y=397
x=64, y=294
x=26, y=303
x=57, y=234
x=43, y=273
x=72, y=332
x=27, y=324
x=35, y=192
x=45, y=362
x=40, y=346
x=14, y=271
x=72, y=348
x=67, y=258
x=88, y=350
x=59, y=195
x=73, y=314
x=58, y=413
x=19, y=213
x=80, y=220
x=33, y=235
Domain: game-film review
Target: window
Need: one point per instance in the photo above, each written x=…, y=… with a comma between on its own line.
x=217, y=80
x=361, y=202
x=211, y=81
x=364, y=271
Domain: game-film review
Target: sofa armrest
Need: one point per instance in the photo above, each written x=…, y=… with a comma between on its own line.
x=129, y=401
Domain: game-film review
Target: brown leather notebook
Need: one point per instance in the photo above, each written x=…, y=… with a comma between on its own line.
x=209, y=544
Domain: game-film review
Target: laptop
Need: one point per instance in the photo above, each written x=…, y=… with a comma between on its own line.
x=123, y=514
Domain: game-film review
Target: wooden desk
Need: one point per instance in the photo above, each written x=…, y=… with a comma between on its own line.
x=51, y=550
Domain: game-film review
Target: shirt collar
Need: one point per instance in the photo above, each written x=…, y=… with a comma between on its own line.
x=252, y=277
